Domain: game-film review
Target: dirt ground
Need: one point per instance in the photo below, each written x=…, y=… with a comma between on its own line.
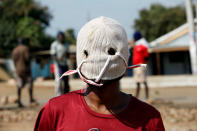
x=178, y=107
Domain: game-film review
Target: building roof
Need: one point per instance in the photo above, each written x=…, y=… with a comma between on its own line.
x=176, y=40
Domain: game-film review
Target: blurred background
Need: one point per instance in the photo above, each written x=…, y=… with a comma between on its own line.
x=168, y=26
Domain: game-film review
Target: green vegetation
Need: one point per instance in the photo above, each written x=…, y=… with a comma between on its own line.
x=24, y=19
x=158, y=20
x=70, y=36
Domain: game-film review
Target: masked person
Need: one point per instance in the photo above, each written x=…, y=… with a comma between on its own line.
x=102, y=55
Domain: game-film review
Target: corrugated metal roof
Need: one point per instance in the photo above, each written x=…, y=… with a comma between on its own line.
x=178, y=42
x=169, y=35
x=176, y=38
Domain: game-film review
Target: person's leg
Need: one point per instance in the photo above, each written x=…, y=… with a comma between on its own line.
x=146, y=90
x=137, y=90
x=66, y=84
x=66, y=87
x=58, y=91
x=19, y=97
x=30, y=86
x=20, y=85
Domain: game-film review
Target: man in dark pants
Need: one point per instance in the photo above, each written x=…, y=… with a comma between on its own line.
x=59, y=52
x=21, y=58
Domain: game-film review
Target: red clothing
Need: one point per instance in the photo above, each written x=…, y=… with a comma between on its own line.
x=140, y=53
x=70, y=112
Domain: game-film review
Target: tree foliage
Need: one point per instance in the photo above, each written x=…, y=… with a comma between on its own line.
x=159, y=20
x=24, y=19
x=70, y=36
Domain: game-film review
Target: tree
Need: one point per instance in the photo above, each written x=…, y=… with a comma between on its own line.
x=24, y=19
x=159, y=20
x=70, y=36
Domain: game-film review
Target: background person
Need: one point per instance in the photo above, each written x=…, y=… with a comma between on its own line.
x=21, y=58
x=140, y=55
x=59, y=51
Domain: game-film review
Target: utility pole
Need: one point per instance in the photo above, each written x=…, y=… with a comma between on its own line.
x=195, y=3
x=192, y=41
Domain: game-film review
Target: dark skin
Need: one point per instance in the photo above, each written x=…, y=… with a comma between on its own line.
x=146, y=90
x=107, y=99
x=61, y=38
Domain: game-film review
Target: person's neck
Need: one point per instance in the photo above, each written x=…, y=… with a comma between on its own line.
x=60, y=42
x=106, y=99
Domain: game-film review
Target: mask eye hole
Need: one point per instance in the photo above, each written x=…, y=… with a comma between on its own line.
x=85, y=53
x=111, y=51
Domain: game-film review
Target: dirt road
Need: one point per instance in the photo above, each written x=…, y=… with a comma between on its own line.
x=178, y=107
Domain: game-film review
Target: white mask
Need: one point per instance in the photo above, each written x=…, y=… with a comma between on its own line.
x=102, y=51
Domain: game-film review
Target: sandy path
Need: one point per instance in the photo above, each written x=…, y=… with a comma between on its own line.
x=184, y=99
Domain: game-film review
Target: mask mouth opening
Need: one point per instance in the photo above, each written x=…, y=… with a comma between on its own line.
x=88, y=81
x=94, y=80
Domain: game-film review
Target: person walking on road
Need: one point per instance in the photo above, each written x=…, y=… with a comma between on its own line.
x=140, y=56
x=21, y=59
x=60, y=52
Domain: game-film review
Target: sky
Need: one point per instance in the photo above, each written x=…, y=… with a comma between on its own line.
x=75, y=13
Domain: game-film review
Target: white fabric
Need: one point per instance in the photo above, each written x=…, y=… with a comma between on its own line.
x=94, y=62
x=59, y=50
x=58, y=87
x=97, y=37
x=78, y=70
x=142, y=41
x=103, y=69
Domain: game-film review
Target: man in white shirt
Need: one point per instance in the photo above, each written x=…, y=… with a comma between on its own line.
x=59, y=52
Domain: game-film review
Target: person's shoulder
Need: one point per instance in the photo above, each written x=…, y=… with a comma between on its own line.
x=54, y=43
x=139, y=113
x=142, y=112
x=14, y=50
x=66, y=99
x=24, y=47
x=19, y=48
x=145, y=109
x=148, y=116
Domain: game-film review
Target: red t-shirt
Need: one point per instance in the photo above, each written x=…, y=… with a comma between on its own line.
x=140, y=53
x=70, y=112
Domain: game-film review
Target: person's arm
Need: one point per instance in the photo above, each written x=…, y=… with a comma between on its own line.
x=27, y=56
x=155, y=124
x=145, y=53
x=14, y=57
x=53, y=51
x=44, y=120
x=67, y=51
